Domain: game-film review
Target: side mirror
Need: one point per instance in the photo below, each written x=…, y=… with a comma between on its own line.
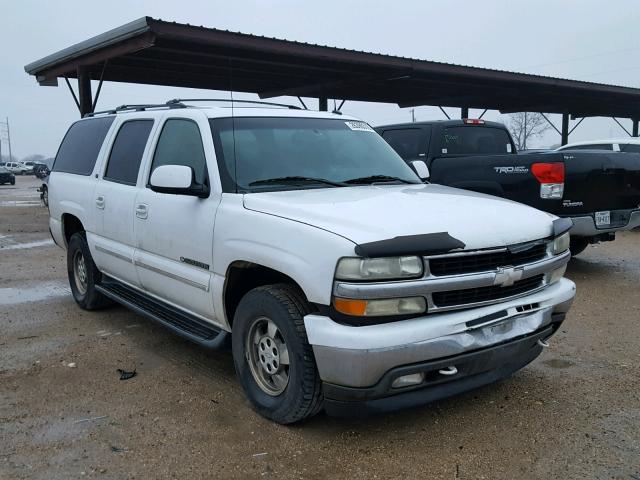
x=421, y=169
x=177, y=180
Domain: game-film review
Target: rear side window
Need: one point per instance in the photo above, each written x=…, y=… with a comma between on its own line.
x=407, y=142
x=180, y=143
x=127, y=150
x=631, y=148
x=474, y=140
x=80, y=147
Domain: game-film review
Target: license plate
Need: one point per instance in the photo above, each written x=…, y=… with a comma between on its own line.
x=603, y=219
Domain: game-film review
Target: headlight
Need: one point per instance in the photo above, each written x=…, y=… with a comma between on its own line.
x=355, y=268
x=380, y=308
x=561, y=243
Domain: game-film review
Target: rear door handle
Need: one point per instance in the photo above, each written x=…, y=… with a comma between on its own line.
x=142, y=210
x=100, y=202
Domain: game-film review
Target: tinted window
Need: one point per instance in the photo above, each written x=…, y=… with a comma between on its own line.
x=180, y=143
x=594, y=146
x=631, y=148
x=256, y=149
x=407, y=142
x=127, y=150
x=475, y=140
x=3, y=170
x=79, y=149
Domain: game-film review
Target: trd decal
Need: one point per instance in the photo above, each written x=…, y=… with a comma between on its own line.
x=520, y=169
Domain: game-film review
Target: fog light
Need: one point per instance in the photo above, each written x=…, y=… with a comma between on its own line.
x=557, y=274
x=408, y=380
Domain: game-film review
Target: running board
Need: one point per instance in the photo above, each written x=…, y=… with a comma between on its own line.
x=186, y=325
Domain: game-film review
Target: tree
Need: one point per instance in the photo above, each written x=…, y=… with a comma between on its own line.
x=525, y=126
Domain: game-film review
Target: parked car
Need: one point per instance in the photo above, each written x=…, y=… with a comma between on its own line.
x=628, y=145
x=599, y=191
x=41, y=170
x=16, y=168
x=6, y=176
x=341, y=280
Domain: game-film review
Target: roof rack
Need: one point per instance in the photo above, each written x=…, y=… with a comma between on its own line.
x=179, y=101
x=136, y=108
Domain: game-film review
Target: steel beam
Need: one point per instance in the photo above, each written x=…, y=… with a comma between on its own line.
x=322, y=103
x=84, y=90
x=635, y=127
x=565, y=129
x=464, y=112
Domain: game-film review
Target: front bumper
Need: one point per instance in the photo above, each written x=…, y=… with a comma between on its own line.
x=359, y=357
x=585, y=226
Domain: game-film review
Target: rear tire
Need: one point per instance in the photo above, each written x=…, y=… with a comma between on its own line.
x=45, y=196
x=83, y=274
x=273, y=359
x=578, y=245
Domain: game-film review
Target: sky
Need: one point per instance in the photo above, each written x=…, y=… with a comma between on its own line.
x=587, y=40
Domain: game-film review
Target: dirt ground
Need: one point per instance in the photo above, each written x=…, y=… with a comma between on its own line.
x=64, y=413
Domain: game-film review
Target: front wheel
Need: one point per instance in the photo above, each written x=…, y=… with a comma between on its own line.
x=273, y=359
x=83, y=274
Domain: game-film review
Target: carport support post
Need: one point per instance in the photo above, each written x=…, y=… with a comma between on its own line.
x=84, y=91
x=464, y=112
x=565, y=129
x=635, y=127
x=323, y=103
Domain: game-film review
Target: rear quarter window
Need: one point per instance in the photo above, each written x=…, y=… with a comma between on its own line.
x=79, y=149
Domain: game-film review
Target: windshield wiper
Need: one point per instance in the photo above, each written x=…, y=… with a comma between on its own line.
x=294, y=180
x=377, y=178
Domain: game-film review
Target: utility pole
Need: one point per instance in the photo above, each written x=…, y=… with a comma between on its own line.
x=9, y=140
x=8, y=132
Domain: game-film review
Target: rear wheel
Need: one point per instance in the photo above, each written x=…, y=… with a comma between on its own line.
x=273, y=359
x=45, y=195
x=578, y=245
x=83, y=274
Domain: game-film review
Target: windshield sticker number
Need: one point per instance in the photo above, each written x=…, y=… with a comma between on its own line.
x=358, y=126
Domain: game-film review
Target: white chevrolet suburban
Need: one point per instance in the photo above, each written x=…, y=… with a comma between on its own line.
x=341, y=280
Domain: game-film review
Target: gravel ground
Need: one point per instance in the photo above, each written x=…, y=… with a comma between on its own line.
x=574, y=413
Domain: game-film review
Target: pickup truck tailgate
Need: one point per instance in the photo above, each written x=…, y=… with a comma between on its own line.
x=598, y=181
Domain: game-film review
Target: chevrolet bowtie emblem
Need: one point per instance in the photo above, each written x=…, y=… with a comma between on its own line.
x=508, y=276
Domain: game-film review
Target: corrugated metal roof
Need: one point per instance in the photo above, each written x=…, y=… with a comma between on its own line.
x=154, y=51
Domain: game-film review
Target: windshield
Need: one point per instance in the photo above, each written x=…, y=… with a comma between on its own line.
x=475, y=140
x=294, y=153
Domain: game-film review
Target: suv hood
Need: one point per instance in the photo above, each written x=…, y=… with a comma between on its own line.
x=377, y=212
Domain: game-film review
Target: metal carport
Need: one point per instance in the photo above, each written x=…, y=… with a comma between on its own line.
x=158, y=52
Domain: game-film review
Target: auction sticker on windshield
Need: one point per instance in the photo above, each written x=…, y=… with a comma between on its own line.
x=358, y=126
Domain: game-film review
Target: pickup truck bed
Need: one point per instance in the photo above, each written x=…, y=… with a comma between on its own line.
x=598, y=190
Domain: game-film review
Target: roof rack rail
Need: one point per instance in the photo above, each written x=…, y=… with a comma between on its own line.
x=136, y=108
x=179, y=101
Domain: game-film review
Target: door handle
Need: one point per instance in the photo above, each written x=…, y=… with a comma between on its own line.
x=100, y=202
x=142, y=210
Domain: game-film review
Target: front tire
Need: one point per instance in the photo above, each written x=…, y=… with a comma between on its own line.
x=83, y=274
x=273, y=359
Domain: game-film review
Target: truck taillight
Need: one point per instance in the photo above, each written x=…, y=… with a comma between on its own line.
x=473, y=121
x=551, y=178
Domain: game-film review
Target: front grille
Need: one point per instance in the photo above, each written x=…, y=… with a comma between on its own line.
x=485, y=294
x=482, y=262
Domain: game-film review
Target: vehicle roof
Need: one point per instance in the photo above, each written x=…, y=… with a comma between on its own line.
x=623, y=140
x=453, y=122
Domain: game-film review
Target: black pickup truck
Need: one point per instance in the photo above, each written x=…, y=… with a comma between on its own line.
x=598, y=190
